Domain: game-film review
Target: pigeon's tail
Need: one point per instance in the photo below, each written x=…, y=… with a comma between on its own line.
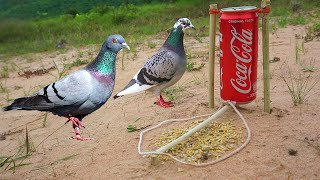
x=38, y=102
x=7, y=108
x=132, y=88
x=17, y=104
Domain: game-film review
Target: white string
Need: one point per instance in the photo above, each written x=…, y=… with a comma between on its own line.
x=195, y=117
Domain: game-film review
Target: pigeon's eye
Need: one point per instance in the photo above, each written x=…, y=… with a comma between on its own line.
x=183, y=23
x=114, y=41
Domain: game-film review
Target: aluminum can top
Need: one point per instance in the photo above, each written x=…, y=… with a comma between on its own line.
x=238, y=9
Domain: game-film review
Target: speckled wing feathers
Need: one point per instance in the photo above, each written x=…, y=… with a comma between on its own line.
x=158, y=69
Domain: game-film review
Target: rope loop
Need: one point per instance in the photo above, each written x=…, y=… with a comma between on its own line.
x=232, y=104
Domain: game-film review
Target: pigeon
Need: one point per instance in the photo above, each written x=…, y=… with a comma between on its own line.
x=164, y=68
x=81, y=92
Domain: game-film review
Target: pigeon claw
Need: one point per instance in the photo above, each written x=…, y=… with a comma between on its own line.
x=165, y=104
x=161, y=102
x=78, y=136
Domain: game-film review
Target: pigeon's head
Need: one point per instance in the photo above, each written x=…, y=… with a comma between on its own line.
x=115, y=43
x=185, y=23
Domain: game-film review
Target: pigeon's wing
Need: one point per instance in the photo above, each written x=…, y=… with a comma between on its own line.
x=73, y=89
x=159, y=69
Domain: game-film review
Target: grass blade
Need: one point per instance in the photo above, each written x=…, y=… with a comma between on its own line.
x=5, y=161
x=24, y=164
x=27, y=141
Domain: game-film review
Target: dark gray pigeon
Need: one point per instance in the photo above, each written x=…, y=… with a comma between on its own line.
x=81, y=92
x=164, y=68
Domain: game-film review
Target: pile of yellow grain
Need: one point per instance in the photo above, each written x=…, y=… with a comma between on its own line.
x=210, y=142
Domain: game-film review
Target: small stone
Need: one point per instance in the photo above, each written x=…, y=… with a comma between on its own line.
x=292, y=152
x=275, y=59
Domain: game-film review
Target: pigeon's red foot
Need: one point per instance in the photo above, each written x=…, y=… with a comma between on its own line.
x=76, y=122
x=161, y=102
x=78, y=137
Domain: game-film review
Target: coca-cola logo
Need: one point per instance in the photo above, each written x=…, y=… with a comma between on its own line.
x=242, y=54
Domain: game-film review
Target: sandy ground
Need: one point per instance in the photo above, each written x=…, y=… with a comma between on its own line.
x=113, y=154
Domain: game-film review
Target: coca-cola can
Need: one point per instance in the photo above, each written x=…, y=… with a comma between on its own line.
x=238, y=53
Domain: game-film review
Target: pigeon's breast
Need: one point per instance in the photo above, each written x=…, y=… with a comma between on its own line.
x=100, y=93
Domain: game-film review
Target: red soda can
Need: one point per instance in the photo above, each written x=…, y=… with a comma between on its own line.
x=238, y=53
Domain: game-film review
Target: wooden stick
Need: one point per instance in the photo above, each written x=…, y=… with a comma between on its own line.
x=265, y=50
x=193, y=130
x=212, y=40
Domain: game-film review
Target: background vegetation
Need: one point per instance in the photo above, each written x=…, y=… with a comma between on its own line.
x=28, y=26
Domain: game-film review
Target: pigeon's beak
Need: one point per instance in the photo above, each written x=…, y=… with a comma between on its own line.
x=192, y=27
x=125, y=45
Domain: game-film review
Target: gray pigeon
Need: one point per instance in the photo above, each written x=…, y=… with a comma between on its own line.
x=164, y=68
x=81, y=92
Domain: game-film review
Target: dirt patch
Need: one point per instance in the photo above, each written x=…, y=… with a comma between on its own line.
x=28, y=73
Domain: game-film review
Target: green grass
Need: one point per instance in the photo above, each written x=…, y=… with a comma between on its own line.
x=314, y=29
x=45, y=118
x=152, y=45
x=173, y=92
x=134, y=22
x=294, y=12
x=16, y=160
x=132, y=128
x=77, y=62
x=283, y=22
x=64, y=71
x=4, y=73
x=192, y=66
x=299, y=86
x=3, y=88
x=308, y=65
x=48, y=8
x=298, y=20
x=20, y=37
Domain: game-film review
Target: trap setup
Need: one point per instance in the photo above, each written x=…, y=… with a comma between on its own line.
x=238, y=53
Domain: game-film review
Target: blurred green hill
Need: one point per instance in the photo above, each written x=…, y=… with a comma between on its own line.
x=27, y=9
x=28, y=26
